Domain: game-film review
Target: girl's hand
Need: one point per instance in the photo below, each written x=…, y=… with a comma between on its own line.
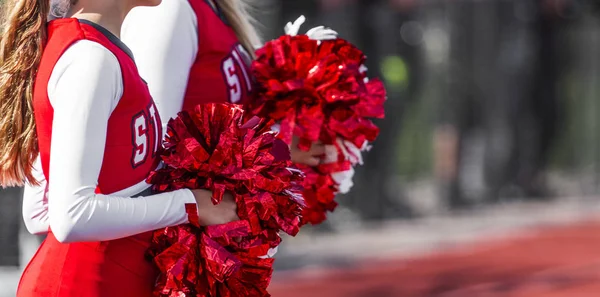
x=210, y=214
x=313, y=157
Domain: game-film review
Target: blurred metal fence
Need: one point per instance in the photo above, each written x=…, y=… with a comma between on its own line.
x=489, y=101
x=10, y=224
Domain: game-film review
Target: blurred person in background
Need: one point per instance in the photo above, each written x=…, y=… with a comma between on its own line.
x=90, y=103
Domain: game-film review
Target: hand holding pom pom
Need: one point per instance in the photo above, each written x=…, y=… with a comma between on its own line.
x=211, y=214
x=311, y=157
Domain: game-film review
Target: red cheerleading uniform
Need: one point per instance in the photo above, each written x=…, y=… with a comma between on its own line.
x=109, y=268
x=220, y=72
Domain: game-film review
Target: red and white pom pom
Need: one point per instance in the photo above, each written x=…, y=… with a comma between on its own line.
x=316, y=88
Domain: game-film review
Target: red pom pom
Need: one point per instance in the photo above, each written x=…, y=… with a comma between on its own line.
x=317, y=91
x=211, y=148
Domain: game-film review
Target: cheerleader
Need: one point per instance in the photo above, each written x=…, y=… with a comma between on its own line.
x=97, y=131
x=199, y=51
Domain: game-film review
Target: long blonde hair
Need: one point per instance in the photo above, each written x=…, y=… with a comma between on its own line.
x=238, y=15
x=21, y=45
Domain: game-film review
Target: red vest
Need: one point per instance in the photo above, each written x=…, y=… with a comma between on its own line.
x=221, y=70
x=108, y=268
x=134, y=127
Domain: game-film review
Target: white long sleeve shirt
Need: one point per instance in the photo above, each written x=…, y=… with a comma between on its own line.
x=164, y=41
x=84, y=88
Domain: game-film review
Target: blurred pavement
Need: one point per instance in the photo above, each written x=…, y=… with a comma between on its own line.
x=420, y=237
x=516, y=250
x=312, y=258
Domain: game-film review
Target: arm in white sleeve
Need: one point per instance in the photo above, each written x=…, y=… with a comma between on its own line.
x=35, y=202
x=84, y=88
x=164, y=42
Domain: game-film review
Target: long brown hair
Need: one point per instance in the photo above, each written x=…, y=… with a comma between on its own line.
x=21, y=45
x=238, y=15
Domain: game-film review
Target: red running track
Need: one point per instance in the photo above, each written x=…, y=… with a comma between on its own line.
x=552, y=262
